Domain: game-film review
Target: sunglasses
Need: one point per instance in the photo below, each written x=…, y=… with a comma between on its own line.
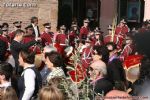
x=109, y=29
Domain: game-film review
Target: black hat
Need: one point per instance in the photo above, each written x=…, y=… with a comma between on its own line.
x=17, y=22
x=63, y=27
x=86, y=21
x=109, y=27
x=87, y=40
x=29, y=27
x=74, y=25
x=123, y=21
x=4, y=29
x=47, y=25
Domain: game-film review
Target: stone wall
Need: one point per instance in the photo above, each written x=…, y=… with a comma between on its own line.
x=108, y=12
x=14, y=10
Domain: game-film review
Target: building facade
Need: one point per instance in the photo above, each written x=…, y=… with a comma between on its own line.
x=58, y=12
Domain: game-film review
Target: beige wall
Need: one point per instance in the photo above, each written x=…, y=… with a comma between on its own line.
x=45, y=10
x=108, y=11
x=147, y=10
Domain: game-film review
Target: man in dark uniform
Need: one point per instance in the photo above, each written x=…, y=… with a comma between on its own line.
x=17, y=25
x=84, y=31
x=47, y=35
x=16, y=46
x=34, y=23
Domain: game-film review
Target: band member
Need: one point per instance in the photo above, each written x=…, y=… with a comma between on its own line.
x=110, y=38
x=84, y=31
x=61, y=39
x=47, y=35
x=73, y=34
x=121, y=31
x=17, y=25
x=34, y=23
x=4, y=36
x=128, y=49
x=86, y=56
x=28, y=37
x=98, y=36
x=5, y=26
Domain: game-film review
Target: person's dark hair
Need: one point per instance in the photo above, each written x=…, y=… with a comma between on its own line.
x=19, y=32
x=145, y=69
x=114, y=46
x=33, y=18
x=116, y=73
x=103, y=51
x=50, y=93
x=142, y=43
x=5, y=24
x=9, y=94
x=55, y=58
x=27, y=56
x=6, y=69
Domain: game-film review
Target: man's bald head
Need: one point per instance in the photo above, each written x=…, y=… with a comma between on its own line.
x=117, y=95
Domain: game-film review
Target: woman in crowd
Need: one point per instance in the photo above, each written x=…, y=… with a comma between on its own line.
x=50, y=93
x=30, y=80
x=9, y=94
x=54, y=62
x=100, y=52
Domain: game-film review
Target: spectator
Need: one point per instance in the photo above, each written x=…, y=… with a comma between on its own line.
x=28, y=86
x=98, y=72
x=50, y=93
x=6, y=71
x=116, y=74
x=100, y=52
x=45, y=70
x=54, y=62
x=112, y=51
x=9, y=94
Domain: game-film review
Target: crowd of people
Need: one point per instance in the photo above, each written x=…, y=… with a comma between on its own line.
x=32, y=62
